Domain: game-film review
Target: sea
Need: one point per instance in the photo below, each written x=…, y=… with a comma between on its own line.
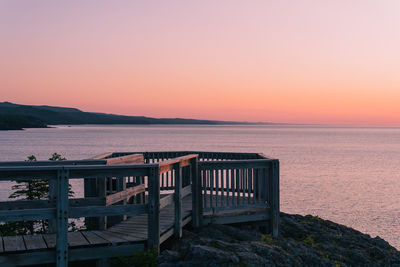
x=349, y=175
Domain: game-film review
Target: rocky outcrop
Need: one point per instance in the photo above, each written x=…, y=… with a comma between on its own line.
x=303, y=241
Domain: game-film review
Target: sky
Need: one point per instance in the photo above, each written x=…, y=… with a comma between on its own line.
x=304, y=61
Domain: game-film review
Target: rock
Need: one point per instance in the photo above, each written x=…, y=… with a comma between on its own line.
x=304, y=241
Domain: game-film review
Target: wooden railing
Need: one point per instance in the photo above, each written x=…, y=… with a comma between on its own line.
x=117, y=185
x=62, y=207
x=230, y=181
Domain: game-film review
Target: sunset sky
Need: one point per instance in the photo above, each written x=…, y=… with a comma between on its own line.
x=329, y=62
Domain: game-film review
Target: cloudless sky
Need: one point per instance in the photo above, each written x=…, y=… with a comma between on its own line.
x=303, y=61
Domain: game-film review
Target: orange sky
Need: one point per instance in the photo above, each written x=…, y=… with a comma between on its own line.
x=329, y=62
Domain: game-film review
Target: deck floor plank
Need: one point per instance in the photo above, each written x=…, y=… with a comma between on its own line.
x=13, y=243
x=33, y=242
x=50, y=240
x=94, y=239
x=111, y=237
x=76, y=239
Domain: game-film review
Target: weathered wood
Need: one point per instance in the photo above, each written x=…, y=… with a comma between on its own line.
x=217, y=165
x=50, y=240
x=197, y=207
x=33, y=242
x=123, y=195
x=154, y=209
x=78, y=254
x=99, y=211
x=177, y=231
x=101, y=222
x=62, y=218
x=94, y=239
x=128, y=159
x=229, y=219
x=275, y=199
x=244, y=188
x=27, y=214
x=167, y=200
x=76, y=239
x=13, y=243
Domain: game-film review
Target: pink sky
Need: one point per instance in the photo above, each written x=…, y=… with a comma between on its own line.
x=331, y=62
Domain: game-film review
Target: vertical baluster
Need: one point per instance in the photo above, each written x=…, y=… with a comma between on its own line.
x=251, y=184
x=232, y=171
x=211, y=188
x=237, y=185
x=260, y=183
x=216, y=186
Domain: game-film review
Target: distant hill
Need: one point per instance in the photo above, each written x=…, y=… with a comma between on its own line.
x=15, y=116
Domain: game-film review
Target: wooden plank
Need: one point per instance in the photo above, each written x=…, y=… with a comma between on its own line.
x=252, y=163
x=77, y=254
x=97, y=211
x=229, y=219
x=128, y=159
x=33, y=242
x=177, y=231
x=238, y=207
x=123, y=195
x=275, y=199
x=167, y=200
x=94, y=239
x=129, y=235
x=186, y=191
x=76, y=239
x=1, y=245
x=50, y=240
x=197, y=207
x=110, y=237
x=13, y=243
x=62, y=218
x=154, y=209
x=27, y=214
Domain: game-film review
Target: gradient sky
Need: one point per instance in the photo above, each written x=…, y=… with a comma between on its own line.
x=331, y=62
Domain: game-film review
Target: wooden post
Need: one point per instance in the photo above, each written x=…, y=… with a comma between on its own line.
x=90, y=190
x=62, y=218
x=102, y=192
x=153, y=239
x=275, y=198
x=178, y=201
x=197, y=207
x=53, y=200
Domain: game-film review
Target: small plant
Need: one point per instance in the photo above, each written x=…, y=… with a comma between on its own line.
x=267, y=239
x=309, y=241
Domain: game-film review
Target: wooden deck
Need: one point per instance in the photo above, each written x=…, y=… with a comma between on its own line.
x=152, y=195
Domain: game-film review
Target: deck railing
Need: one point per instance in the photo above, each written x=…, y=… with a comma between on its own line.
x=230, y=181
x=117, y=185
x=61, y=207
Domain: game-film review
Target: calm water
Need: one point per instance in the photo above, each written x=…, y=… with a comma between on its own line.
x=345, y=174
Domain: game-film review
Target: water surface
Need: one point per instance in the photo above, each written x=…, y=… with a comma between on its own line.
x=350, y=175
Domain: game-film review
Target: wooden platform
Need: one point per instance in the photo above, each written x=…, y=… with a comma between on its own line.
x=132, y=230
x=169, y=189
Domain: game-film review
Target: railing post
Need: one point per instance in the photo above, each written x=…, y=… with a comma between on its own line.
x=274, y=198
x=197, y=205
x=62, y=218
x=102, y=192
x=178, y=201
x=154, y=209
x=53, y=199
